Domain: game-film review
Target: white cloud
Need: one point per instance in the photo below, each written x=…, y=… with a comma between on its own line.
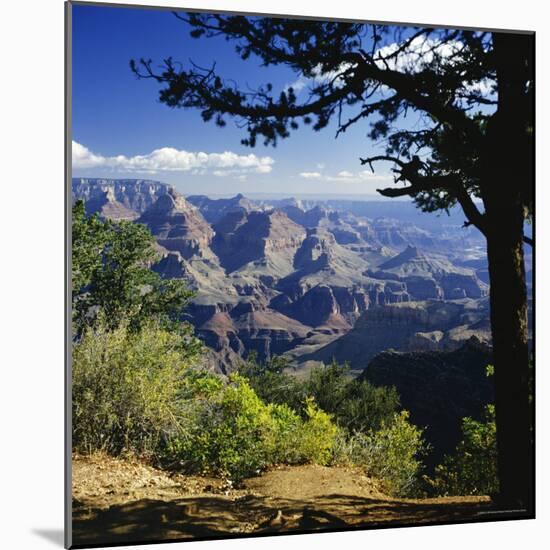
x=84, y=158
x=310, y=175
x=350, y=177
x=168, y=159
x=345, y=174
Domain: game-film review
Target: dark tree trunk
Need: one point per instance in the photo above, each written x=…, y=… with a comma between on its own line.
x=511, y=358
x=504, y=190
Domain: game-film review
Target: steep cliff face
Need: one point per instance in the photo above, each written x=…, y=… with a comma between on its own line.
x=317, y=307
x=257, y=242
x=268, y=332
x=178, y=226
x=321, y=254
x=133, y=194
x=331, y=221
x=202, y=274
x=186, y=237
x=329, y=285
x=305, y=218
x=438, y=388
x=431, y=277
x=108, y=208
x=406, y=327
x=241, y=328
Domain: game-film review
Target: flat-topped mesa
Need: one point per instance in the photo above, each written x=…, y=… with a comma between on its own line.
x=177, y=225
x=429, y=276
x=134, y=194
x=408, y=327
x=390, y=232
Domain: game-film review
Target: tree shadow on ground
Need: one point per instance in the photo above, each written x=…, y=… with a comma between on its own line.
x=213, y=516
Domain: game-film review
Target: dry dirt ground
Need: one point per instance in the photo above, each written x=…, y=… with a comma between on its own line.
x=118, y=500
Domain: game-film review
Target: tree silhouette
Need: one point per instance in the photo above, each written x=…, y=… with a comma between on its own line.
x=473, y=146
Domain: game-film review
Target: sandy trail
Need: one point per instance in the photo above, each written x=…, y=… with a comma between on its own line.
x=120, y=500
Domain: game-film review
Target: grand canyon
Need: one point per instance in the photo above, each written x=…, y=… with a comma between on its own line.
x=311, y=279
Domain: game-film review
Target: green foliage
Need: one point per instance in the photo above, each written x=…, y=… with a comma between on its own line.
x=472, y=470
x=272, y=384
x=111, y=273
x=127, y=386
x=235, y=434
x=371, y=433
x=457, y=119
x=89, y=237
x=329, y=385
x=392, y=454
x=319, y=434
x=137, y=390
x=356, y=405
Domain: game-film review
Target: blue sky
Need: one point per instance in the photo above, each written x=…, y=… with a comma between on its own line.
x=116, y=114
x=122, y=130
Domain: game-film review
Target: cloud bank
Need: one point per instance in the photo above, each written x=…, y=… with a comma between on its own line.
x=310, y=175
x=349, y=177
x=168, y=159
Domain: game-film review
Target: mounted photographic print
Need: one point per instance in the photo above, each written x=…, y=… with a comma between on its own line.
x=300, y=275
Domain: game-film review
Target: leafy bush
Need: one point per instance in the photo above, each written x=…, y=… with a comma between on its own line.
x=235, y=434
x=472, y=470
x=355, y=405
x=318, y=435
x=139, y=391
x=390, y=454
x=272, y=384
x=127, y=386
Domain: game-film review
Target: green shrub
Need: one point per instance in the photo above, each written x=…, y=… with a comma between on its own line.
x=366, y=407
x=355, y=405
x=127, y=387
x=390, y=454
x=235, y=434
x=318, y=435
x=272, y=384
x=472, y=470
